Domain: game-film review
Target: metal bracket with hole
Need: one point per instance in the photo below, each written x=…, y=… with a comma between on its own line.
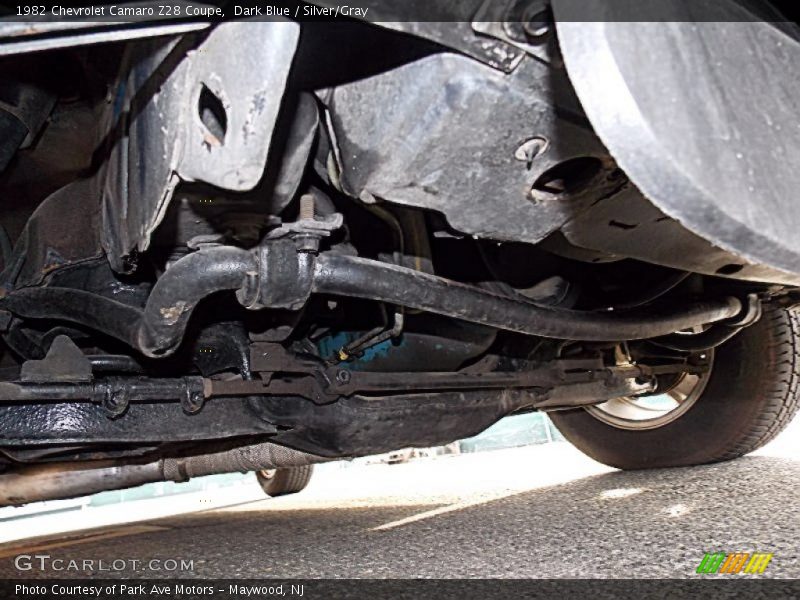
x=525, y=24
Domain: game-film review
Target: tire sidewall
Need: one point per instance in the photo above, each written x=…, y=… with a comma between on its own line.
x=711, y=430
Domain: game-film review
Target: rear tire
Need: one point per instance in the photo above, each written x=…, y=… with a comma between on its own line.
x=751, y=395
x=279, y=482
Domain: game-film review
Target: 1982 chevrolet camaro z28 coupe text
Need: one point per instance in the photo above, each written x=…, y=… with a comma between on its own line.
x=260, y=244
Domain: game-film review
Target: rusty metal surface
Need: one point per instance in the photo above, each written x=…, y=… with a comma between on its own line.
x=409, y=136
x=198, y=110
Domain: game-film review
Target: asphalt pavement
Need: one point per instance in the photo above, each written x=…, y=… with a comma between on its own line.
x=539, y=512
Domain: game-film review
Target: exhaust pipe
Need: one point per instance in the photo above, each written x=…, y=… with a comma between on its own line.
x=56, y=481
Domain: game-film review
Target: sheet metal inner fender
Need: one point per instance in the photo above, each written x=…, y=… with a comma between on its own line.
x=198, y=110
x=701, y=113
x=448, y=133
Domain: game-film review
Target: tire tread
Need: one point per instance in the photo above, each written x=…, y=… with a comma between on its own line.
x=783, y=394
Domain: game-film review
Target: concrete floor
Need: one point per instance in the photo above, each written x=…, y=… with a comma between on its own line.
x=543, y=511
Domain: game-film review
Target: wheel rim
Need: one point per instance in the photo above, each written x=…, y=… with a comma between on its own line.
x=267, y=473
x=651, y=412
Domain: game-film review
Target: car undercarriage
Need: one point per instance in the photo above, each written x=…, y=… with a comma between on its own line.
x=245, y=245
